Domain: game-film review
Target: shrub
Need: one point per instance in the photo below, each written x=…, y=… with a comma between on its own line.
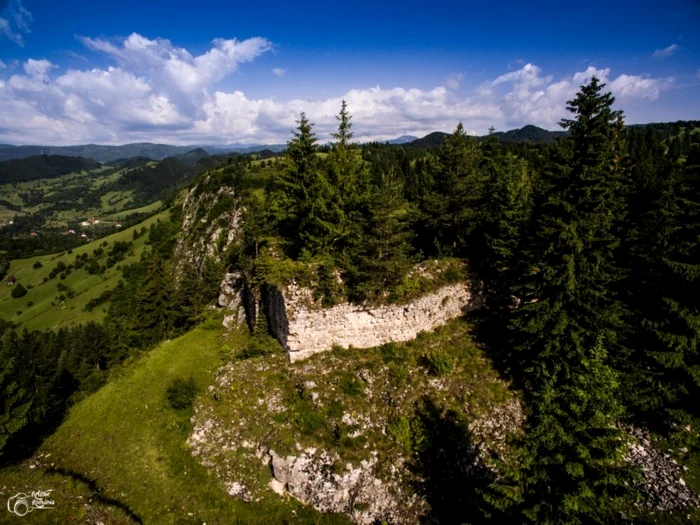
x=18, y=291
x=181, y=393
x=259, y=345
x=307, y=418
x=30, y=304
x=37, y=265
x=398, y=374
x=352, y=386
x=400, y=430
x=439, y=363
x=61, y=287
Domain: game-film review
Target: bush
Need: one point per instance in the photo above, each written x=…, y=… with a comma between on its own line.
x=181, y=393
x=37, y=265
x=400, y=430
x=398, y=374
x=439, y=363
x=259, y=345
x=18, y=291
x=352, y=386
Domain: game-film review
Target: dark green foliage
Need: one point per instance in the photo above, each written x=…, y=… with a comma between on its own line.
x=43, y=167
x=261, y=342
x=450, y=208
x=503, y=219
x=15, y=401
x=37, y=265
x=97, y=301
x=381, y=255
x=438, y=363
x=181, y=393
x=664, y=258
x=574, y=472
x=18, y=291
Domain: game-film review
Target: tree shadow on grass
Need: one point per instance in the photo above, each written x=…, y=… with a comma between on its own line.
x=452, y=473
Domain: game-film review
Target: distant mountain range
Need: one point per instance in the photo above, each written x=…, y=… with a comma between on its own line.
x=404, y=139
x=531, y=134
x=127, y=151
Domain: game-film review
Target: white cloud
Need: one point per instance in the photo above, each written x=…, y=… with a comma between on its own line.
x=2, y=65
x=38, y=69
x=453, y=79
x=280, y=72
x=666, y=51
x=161, y=93
x=15, y=14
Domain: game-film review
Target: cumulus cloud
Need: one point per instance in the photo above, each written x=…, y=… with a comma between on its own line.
x=453, y=79
x=158, y=92
x=280, y=72
x=666, y=51
x=15, y=20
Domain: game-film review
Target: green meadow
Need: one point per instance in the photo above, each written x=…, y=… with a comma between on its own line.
x=40, y=308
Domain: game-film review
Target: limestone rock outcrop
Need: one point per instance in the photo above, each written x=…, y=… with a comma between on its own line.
x=305, y=328
x=206, y=232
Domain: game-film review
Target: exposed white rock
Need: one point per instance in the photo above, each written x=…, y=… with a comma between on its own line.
x=355, y=492
x=231, y=299
x=304, y=328
x=195, y=244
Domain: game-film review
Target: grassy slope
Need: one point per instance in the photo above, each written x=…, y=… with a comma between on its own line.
x=114, y=203
x=42, y=315
x=131, y=444
x=121, y=215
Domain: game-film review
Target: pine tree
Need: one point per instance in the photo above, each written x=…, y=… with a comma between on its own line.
x=662, y=371
x=451, y=206
x=567, y=322
x=504, y=215
x=303, y=200
x=15, y=399
x=383, y=254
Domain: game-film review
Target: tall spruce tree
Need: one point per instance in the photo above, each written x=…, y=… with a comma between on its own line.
x=573, y=470
x=349, y=179
x=303, y=199
x=451, y=206
x=382, y=254
x=662, y=375
x=504, y=215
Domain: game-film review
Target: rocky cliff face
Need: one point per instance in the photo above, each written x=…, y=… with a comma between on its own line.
x=304, y=328
x=210, y=224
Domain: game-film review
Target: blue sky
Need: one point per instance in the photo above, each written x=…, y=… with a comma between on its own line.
x=219, y=72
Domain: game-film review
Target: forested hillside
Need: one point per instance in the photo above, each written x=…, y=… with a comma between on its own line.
x=43, y=167
x=588, y=252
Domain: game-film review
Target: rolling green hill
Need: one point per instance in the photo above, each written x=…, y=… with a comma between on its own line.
x=47, y=310
x=43, y=167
